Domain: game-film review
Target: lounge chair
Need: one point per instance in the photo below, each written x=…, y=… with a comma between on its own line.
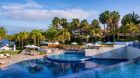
x=7, y=55
x=49, y=51
x=2, y=62
x=2, y=56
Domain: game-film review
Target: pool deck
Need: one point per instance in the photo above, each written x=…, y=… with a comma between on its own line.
x=17, y=58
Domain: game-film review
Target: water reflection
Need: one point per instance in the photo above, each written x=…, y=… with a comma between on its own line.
x=56, y=68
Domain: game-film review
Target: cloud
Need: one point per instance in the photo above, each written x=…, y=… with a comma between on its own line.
x=32, y=11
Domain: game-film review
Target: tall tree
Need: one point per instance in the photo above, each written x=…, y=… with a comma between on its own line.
x=36, y=35
x=51, y=34
x=3, y=33
x=115, y=17
x=128, y=18
x=111, y=19
x=23, y=36
x=64, y=23
x=130, y=24
x=56, y=22
x=63, y=35
x=84, y=29
x=74, y=28
x=95, y=24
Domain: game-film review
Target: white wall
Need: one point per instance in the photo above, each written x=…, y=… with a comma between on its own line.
x=116, y=52
x=132, y=52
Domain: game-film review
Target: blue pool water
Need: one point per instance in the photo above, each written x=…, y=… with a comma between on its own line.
x=68, y=57
x=121, y=71
x=43, y=68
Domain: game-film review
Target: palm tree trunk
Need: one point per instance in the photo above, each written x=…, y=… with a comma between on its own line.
x=22, y=44
x=34, y=41
x=19, y=44
x=38, y=42
x=92, y=39
x=104, y=28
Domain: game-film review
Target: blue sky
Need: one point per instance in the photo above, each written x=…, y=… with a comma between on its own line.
x=25, y=15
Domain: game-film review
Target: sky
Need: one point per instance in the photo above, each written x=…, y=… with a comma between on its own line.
x=25, y=15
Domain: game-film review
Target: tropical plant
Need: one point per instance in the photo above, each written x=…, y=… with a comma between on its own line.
x=3, y=33
x=95, y=24
x=111, y=19
x=128, y=18
x=51, y=34
x=36, y=35
x=23, y=36
x=56, y=22
x=63, y=36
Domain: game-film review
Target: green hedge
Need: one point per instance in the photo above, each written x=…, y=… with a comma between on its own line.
x=10, y=52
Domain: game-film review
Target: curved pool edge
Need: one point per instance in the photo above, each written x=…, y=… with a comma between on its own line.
x=5, y=66
x=93, y=72
x=65, y=61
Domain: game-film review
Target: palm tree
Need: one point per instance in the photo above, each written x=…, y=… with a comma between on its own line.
x=111, y=19
x=95, y=24
x=64, y=23
x=56, y=22
x=84, y=28
x=130, y=24
x=23, y=36
x=63, y=36
x=74, y=27
x=75, y=23
x=18, y=38
x=51, y=34
x=3, y=33
x=115, y=17
x=105, y=19
x=128, y=18
x=36, y=35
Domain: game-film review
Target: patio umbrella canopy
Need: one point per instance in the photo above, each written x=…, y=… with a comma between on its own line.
x=96, y=44
x=89, y=44
x=31, y=46
x=74, y=43
x=56, y=43
x=109, y=43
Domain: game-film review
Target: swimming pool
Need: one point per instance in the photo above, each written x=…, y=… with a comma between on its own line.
x=43, y=68
x=124, y=70
x=68, y=57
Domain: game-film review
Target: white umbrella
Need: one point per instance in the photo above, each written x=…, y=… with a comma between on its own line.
x=89, y=44
x=74, y=43
x=50, y=43
x=5, y=48
x=56, y=43
x=109, y=43
x=27, y=46
x=97, y=44
x=33, y=46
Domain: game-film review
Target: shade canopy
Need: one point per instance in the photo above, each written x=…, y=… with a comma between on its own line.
x=89, y=44
x=74, y=43
x=5, y=48
x=31, y=46
x=109, y=43
x=96, y=44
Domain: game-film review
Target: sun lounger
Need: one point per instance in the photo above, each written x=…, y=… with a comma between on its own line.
x=7, y=55
x=49, y=51
x=2, y=62
x=2, y=56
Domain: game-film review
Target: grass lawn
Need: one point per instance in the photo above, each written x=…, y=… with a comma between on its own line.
x=10, y=52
